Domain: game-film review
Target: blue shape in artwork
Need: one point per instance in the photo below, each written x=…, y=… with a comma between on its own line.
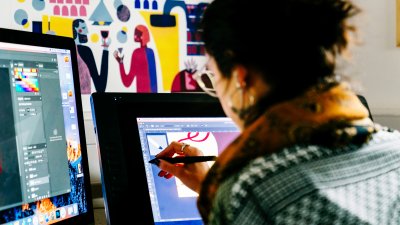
x=101, y=15
x=152, y=69
x=38, y=4
x=21, y=17
x=24, y=21
x=123, y=13
x=37, y=27
x=146, y=4
x=163, y=20
x=154, y=5
x=101, y=23
x=122, y=37
x=137, y=4
x=117, y=3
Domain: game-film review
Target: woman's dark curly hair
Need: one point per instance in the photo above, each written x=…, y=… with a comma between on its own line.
x=293, y=43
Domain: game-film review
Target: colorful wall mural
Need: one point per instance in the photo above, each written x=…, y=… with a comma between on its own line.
x=123, y=45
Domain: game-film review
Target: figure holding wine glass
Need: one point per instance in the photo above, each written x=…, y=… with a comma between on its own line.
x=86, y=61
x=143, y=65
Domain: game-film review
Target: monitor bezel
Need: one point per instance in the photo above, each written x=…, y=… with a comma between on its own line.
x=60, y=42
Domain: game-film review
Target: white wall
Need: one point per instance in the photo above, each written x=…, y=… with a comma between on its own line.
x=94, y=166
x=376, y=63
x=375, y=67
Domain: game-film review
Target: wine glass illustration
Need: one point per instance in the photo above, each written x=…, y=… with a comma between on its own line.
x=104, y=35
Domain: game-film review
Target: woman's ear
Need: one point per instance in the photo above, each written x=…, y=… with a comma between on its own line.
x=240, y=75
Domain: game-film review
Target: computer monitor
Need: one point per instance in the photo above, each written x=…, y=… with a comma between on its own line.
x=44, y=177
x=131, y=128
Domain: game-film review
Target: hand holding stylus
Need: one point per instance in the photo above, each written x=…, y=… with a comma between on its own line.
x=191, y=174
x=184, y=159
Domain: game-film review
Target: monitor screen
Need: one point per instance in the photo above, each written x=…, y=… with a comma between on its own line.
x=42, y=177
x=209, y=134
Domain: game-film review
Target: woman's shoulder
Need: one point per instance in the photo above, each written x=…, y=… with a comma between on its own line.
x=383, y=143
x=241, y=191
x=385, y=134
x=302, y=169
x=385, y=140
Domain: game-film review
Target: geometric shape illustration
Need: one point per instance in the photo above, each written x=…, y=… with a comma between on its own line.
x=38, y=4
x=101, y=16
x=21, y=17
x=123, y=13
x=166, y=40
x=60, y=26
x=122, y=37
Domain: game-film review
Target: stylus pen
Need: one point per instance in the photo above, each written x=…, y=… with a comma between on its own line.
x=187, y=159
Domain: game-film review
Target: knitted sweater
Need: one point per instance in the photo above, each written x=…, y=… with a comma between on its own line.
x=315, y=185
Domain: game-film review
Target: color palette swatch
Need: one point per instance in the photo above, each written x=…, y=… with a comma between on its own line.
x=26, y=79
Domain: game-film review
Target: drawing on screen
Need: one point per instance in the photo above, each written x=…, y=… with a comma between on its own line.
x=202, y=140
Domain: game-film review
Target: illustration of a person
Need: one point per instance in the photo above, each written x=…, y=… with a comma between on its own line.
x=80, y=34
x=143, y=65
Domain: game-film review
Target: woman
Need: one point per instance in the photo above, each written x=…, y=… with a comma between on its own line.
x=308, y=152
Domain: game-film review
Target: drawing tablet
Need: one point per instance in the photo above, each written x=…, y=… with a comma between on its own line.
x=131, y=129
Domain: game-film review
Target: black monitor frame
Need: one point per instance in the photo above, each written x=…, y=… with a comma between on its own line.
x=121, y=160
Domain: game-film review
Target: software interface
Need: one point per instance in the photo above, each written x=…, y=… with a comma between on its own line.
x=39, y=140
x=211, y=135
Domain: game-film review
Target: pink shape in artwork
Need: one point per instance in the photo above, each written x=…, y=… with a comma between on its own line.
x=65, y=11
x=86, y=2
x=82, y=11
x=69, y=1
x=194, y=136
x=74, y=11
x=84, y=76
x=56, y=10
x=139, y=70
x=60, y=1
x=78, y=2
x=190, y=83
x=52, y=1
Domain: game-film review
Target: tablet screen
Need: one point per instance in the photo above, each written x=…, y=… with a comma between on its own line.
x=171, y=201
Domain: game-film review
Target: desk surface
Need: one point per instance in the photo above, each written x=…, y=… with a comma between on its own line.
x=99, y=212
x=99, y=216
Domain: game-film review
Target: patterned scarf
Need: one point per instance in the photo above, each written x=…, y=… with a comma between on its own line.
x=328, y=115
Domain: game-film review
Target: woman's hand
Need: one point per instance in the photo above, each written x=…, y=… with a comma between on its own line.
x=191, y=174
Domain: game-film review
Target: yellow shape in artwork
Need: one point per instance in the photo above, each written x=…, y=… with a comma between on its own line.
x=21, y=1
x=45, y=24
x=61, y=26
x=167, y=44
x=94, y=38
x=27, y=25
x=125, y=29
